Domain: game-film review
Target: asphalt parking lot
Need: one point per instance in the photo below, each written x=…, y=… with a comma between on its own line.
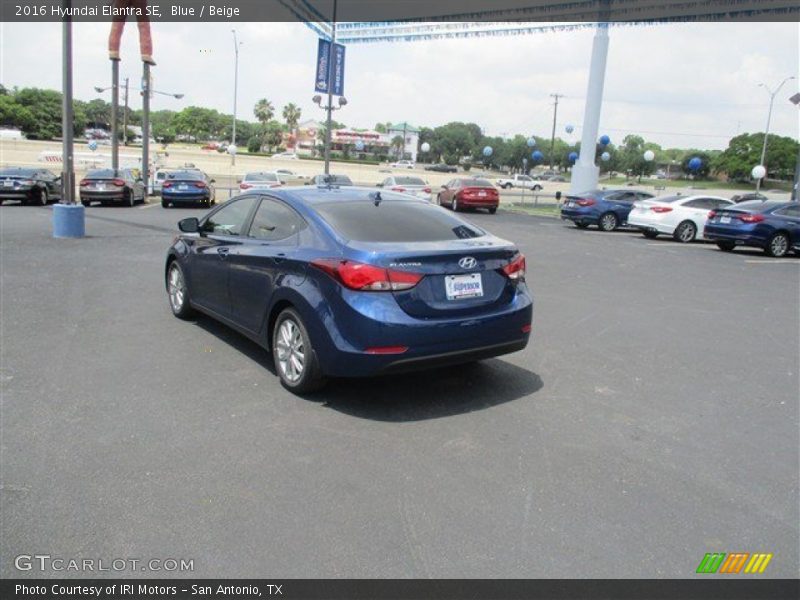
x=653, y=418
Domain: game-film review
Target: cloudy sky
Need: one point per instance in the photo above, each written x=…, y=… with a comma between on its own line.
x=684, y=85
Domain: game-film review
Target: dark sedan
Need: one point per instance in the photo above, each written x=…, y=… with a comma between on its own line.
x=748, y=197
x=29, y=185
x=351, y=282
x=188, y=187
x=608, y=209
x=107, y=186
x=442, y=168
x=772, y=226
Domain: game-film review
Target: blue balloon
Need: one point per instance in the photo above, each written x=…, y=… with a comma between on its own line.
x=531, y=142
x=605, y=140
x=537, y=156
x=359, y=145
x=487, y=151
x=573, y=156
x=92, y=145
x=570, y=128
x=695, y=163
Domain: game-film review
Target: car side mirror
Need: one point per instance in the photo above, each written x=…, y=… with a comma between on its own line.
x=189, y=225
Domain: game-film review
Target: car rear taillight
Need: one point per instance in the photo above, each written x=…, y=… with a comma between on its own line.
x=661, y=209
x=166, y=184
x=199, y=184
x=118, y=182
x=367, y=278
x=398, y=189
x=84, y=182
x=586, y=202
x=245, y=186
x=526, y=328
x=516, y=268
x=751, y=218
x=427, y=190
x=712, y=214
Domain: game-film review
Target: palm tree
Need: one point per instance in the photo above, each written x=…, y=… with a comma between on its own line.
x=398, y=145
x=291, y=114
x=264, y=111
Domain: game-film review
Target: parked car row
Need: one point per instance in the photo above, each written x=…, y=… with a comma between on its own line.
x=773, y=226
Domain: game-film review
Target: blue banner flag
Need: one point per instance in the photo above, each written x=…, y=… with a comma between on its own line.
x=323, y=69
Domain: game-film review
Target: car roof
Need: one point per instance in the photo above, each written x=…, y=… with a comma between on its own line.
x=310, y=196
x=760, y=205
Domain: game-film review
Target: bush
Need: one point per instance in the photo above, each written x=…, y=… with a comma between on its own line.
x=254, y=144
x=467, y=166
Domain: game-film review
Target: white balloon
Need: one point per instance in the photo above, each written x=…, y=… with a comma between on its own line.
x=605, y=156
x=232, y=149
x=426, y=147
x=758, y=172
x=649, y=155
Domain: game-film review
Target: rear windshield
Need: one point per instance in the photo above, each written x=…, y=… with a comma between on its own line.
x=261, y=177
x=101, y=173
x=191, y=175
x=409, y=181
x=476, y=183
x=18, y=172
x=395, y=221
x=670, y=198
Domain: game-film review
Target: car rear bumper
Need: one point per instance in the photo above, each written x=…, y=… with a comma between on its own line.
x=102, y=196
x=471, y=203
x=353, y=328
x=16, y=194
x=648, y=224
x=740, y=238
x=577, y=215
x=185, y=197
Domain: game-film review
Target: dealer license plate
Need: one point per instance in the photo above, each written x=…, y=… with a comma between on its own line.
x=724, y=219
x=458, y=287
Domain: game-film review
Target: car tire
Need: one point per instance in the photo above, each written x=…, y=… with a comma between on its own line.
x=537, y=188
x=86, y=203
x=492, y=211
x=580, y=225
x=650, y=234
x=778, y=245
x=129, y=199
x=685, y=232
x=294, y=356
x=178, y=292
x=608, y=222
x=44, y=200
x=726, y=246
x=507, y=186
x=454, y=204
x=164, y=204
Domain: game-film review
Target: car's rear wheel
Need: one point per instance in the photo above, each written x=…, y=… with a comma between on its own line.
x=178, y=292
x=685, y=232
x=608, y=222
x=129, y=198
x=86, y=203
x=649, y=234
x=507, y=186
x=778, y=245
x=537, y=188
x=43, y=197
x=726, y=246
x=492, y=210
x=294, y=356
x=454, y=204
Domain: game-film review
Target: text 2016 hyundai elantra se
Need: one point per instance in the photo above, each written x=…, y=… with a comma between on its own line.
x=351, y=282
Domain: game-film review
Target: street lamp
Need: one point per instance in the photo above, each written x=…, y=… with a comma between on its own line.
x=100, y=90
x=329, y=108
x=236, y=44
x=769, y=118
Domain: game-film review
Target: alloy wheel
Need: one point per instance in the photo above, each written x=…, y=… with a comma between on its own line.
x=778, y=245
x=291, y=351
x=176, y=288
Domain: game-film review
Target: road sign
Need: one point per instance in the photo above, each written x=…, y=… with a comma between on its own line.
x=323, y=69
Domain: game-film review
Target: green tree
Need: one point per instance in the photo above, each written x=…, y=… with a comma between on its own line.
x=744, y=152
x=631, y=157
x=397, y=145
x=13, y=114
x=98, y=112
x=264, y=111
x=291, y=114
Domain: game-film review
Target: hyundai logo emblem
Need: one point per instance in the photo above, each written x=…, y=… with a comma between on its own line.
x=468, y=263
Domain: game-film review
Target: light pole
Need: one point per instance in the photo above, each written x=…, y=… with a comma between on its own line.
x=553, y=136
x=769, y=118
x=100, y=90
x=236, y=44
x=332, y=49
x=330, y=108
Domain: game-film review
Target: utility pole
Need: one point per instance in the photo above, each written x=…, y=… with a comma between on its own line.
x=769, y=118
x=146, y=128
x=553, y=136
x=125, y=116
x=115, y=114
x=330, y=92
x=235, y=91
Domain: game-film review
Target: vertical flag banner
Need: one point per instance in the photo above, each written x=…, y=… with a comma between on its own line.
x=338, y=69
x=323, y=57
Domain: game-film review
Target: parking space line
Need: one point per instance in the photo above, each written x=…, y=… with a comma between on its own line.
x=771, y=261
x=148, y=205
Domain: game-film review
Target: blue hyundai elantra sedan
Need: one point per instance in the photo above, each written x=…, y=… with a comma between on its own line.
x=351, y=282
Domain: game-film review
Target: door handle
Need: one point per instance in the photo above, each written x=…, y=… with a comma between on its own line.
x=223, y=252
x=280, y=257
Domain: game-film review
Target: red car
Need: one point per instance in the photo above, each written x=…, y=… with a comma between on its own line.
x=463, y=193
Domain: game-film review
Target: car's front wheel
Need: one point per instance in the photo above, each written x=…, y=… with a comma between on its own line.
x=608, y=222
x=43, y=197
x=454, y=204
x=492, y=210
x=778, y=245
x=130, y=199
x=178, y=292
x=294, y=356
x=685, y=232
